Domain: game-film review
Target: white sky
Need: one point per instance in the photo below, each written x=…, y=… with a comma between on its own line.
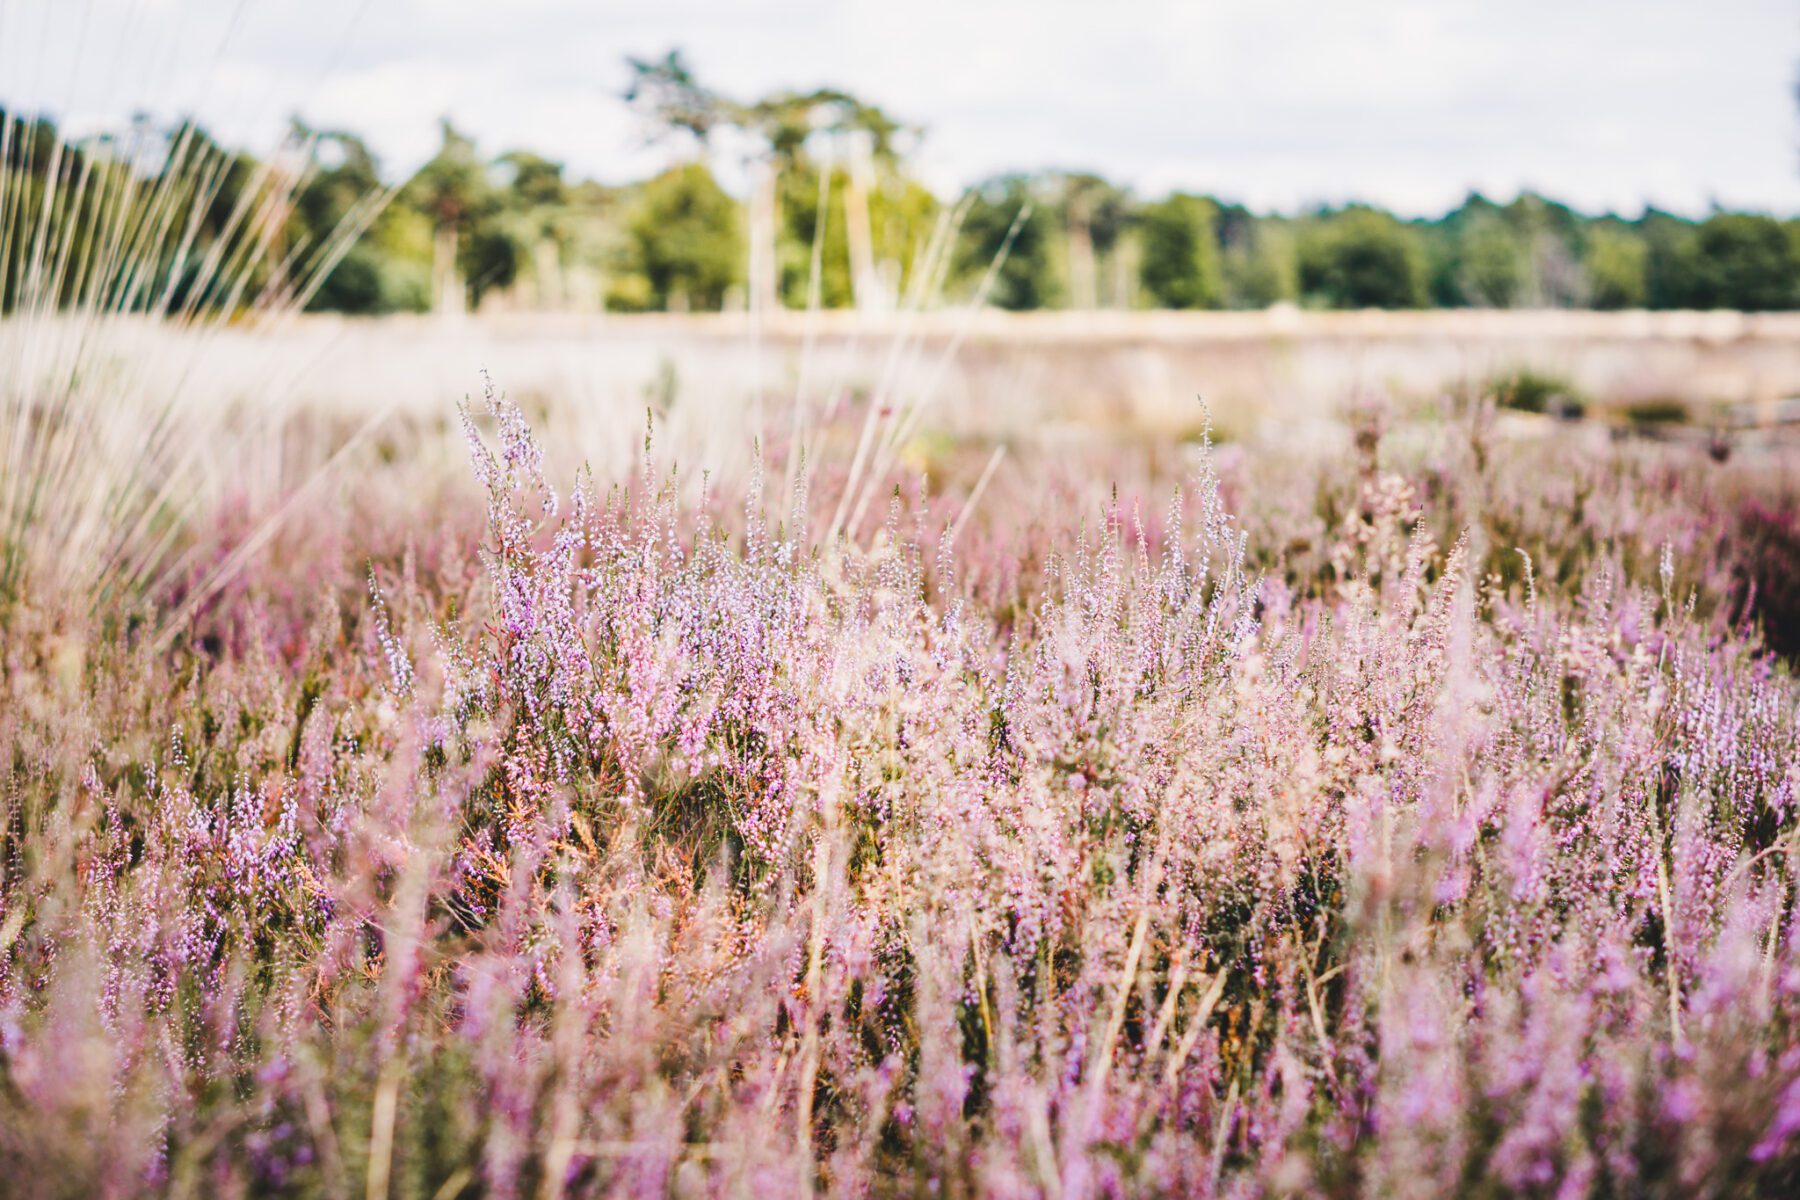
x=1279, y=103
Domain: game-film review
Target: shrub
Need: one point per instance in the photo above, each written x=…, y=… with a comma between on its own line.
x=1006, y=214
x=684, y=231
x=1494, y=267
x=1660, y=410
x=1532, y=391
x=1181, y=266
x=1768, y=571
x=1742, y=261
x=1361, y=258
x=1616, y=267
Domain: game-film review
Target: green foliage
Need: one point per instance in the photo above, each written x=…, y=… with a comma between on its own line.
x=1550, y=240
x=667, y=94
x=1743, y=261
x=354, y=286
x=536, y=181
x=1669, y=259
x=388, y=268
x=1094, y=215
x=1494, y=266
x=1181, y=255
x=1363, y=258
x=665, y=91
x=1526, y=390
x=454, y=186
x=903, y=213
x=798, y=189
x=513, y=229
x=345, y=174
x=1104, y=208
x=1027, y=277
x=490, y=257
x=1658, y=410
x=1258, y=263
x=157, y=219
x=684, y=230
x=1617, y=267
x=901, y=216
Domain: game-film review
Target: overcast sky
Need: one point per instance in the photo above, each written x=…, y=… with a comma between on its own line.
x=1279, y=103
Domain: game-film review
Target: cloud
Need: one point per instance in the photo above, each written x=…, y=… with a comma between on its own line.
x=1607, y=103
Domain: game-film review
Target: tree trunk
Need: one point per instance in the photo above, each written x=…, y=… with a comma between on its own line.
x=448, y=295
x=763, y=283
x=546, y=262
x=865, y=281
x=1126, y=262
x=1084, y=277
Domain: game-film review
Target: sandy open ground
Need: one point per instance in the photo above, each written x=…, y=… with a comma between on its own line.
x=1056, y=383
x=1000, y=374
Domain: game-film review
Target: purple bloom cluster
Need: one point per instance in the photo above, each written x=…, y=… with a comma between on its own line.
x=1433, y=834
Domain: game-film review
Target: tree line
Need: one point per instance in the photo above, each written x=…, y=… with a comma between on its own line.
x=832, y=217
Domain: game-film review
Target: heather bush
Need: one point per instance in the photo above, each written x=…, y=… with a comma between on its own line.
x=1768, y=573
x=1421, y=826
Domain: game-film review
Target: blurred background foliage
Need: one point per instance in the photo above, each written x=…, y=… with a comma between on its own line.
x=829, y=180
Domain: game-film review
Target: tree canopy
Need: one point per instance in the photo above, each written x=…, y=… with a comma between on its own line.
x=845, y=221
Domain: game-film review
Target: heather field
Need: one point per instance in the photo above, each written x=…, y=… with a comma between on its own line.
x=409, y=811
x=728, y=655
